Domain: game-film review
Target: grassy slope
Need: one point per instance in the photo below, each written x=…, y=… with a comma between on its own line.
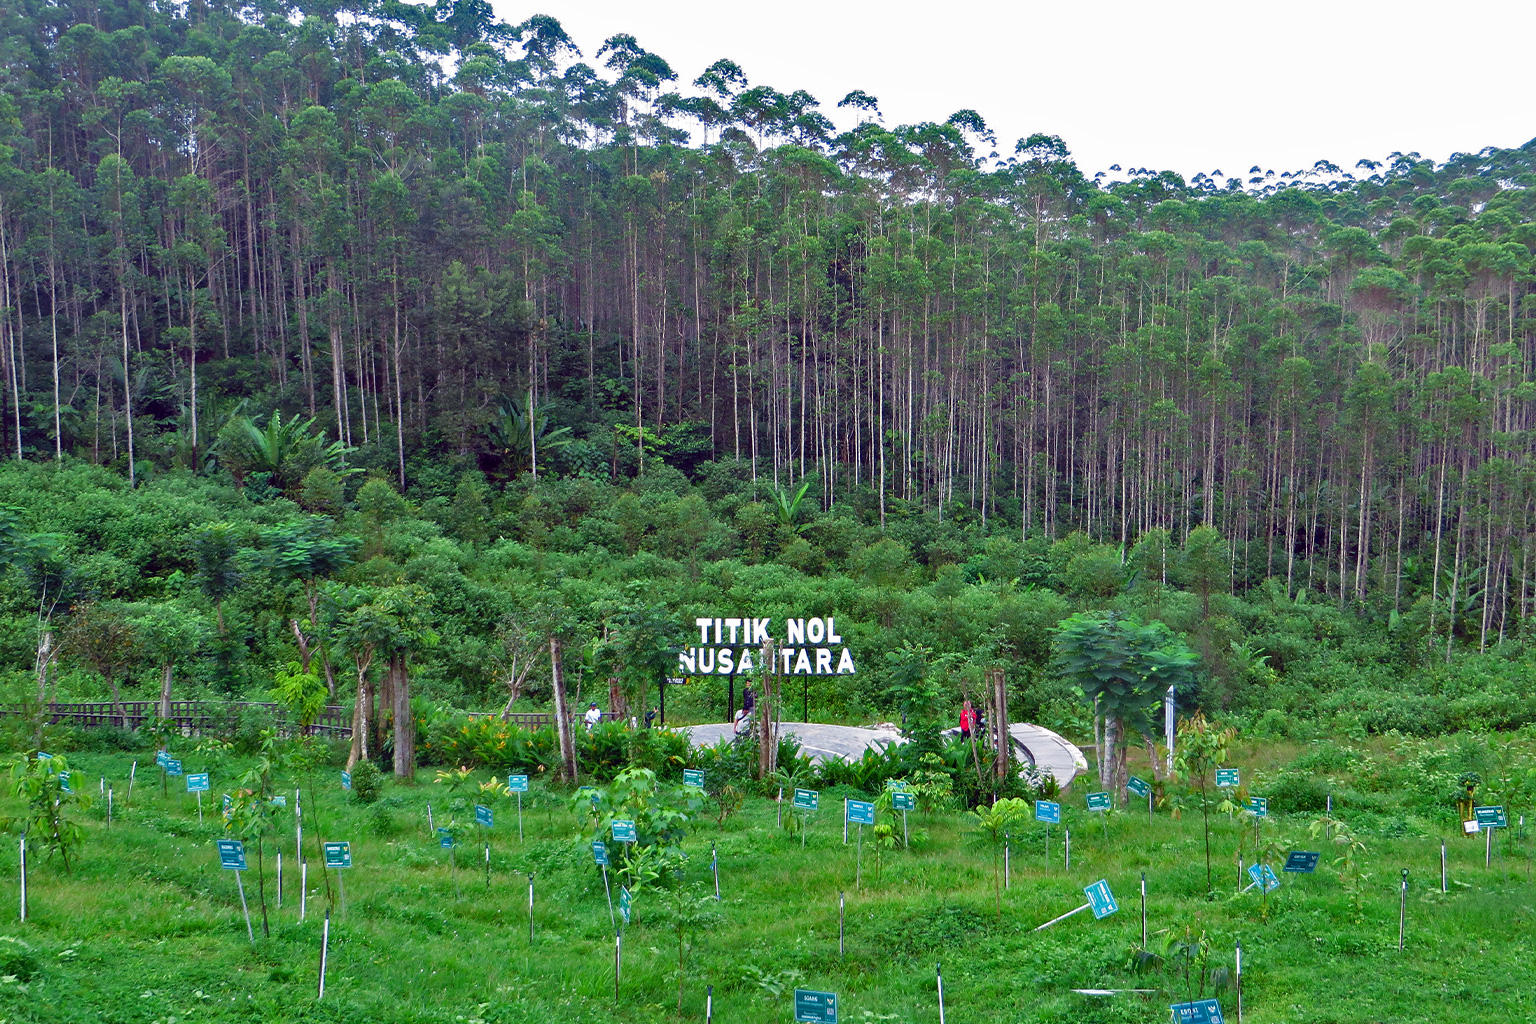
x=149, y=928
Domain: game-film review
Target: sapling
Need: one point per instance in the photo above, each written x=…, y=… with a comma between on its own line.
x=47, y=820
x=687, y=913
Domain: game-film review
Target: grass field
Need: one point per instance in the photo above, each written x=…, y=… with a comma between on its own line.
x=148, y=928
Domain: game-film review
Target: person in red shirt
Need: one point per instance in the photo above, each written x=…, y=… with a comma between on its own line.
x=967, y=720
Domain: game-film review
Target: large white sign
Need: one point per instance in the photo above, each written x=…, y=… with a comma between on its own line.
x=808, y=647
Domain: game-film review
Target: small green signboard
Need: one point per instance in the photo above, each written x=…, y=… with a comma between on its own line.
x=1098, y=801
x=172, y=767
x=64, y=782
x=600, y=853
x=231, y=854
x=160, y=757
x=1100, y=900
x=228, y=805
x=625, y=902
x=693, y=777
x=444, y=838
x=517, y=783
x=893, y=785
x=1227, y=777
x=1490, y=817
x=280, y=801
x=805, y=799
x=346, y=780
x=1048, y=811
x=861, y=812
x=1301, y=862
x=1259, y=805
x=624, y=832
x=483, y=815
x=197, y=782
x=1206, y=1011
x=904, y=801
x=1138, y=786
x=337, y=855
x=43, y=755
x=812, y=1007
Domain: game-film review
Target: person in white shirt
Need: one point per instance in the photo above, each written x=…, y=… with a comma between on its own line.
x=592, y=717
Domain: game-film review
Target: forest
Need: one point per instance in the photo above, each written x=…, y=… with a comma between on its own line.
x=380, y=343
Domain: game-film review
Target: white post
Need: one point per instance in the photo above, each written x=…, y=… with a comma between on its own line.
x=199, y=807
x=709, y=1005
x=1007, y=858
x=1402, y=913
x=840, y=924
x=303, y=888
x=109, y=805
x=325, y=945
x=781, y=807
x=609, y=893
x=23, y=878
x=131, y=772
x=249, y=931
x=714, y=866
x=1168, y=726
x=618, y=960
x=519, y=817
x=430, y=828
x=1069, y=850
x=1239, y=983
x=1488, y=855
x=1442, y=867
x=298, y=837
x=938, y=971
x=279, y=879
x=1063, y=917
x=530, y=910
x=1143, y=910
x=845, y=821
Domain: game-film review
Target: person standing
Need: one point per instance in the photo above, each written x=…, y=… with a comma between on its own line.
x=592, y=717
x=967, y=721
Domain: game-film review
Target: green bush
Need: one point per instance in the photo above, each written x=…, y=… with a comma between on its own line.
x=367, y=782
x=17, y=959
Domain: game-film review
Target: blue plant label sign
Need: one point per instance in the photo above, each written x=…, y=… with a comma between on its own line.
x=1206, y=1011
x=1227, y=777
x=160, y=757
x=805, y=799
x=444, y=838
x=173, y=767
x=1048, y=811
x=338, y=855
x=894, y=785
x=625, y=902
x=1263, y=876
x=1259, y=805
x=483, y=815
x=64, y=782
x=1490, y=817
x=231, y=854
x=517, y=783
x=1100, y=900
x=228, y=806
x=600, y=853
x=812, y=1007
x=1098, y=801
x=1301, y=862
x=197, y=782
x=904, y=801
x=624, y=832
x=43, y=755
x=861, y=812
x=280, y=801
x=346, y=780
x=1138, y=786
x=693, y=777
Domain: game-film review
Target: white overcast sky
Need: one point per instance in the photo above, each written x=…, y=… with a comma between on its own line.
x=1188, y=87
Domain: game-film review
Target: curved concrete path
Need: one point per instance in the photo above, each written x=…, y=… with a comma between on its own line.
x=1034, y=743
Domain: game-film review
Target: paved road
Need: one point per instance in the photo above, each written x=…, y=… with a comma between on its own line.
x=1034, y=743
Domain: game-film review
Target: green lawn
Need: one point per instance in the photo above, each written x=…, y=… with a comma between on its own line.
x=148, y=929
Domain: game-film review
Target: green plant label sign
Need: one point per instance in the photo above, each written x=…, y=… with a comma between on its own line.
x=483, y=815
x=600, y=853
x=160, y=757
x=805, y=799
x=1301, y=862
x=1100, y=900
x=812, y=1006
x=904, y=801
x=517, y=783
x=280, y=801
x=1490, y=817
x=1227, y=777
x=173, y=767
x=346, y=780
x=337, y=855
x=861, y=812
x=444, y=838
x=693, y=777
x=1259, y=805
x=43, y=755
x=895, y=785
x=1138, y=786
x=64, y=782
x=1098, y=801
x=1263, y=876
x=1048, y=811
x=624, y=832
x=228, y=805
x=197, y=782
x=231, y=854
x=1206, y=1011
x=625, y=901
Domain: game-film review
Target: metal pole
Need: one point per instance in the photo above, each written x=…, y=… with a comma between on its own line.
x=858, y=871
x=303, y=888
x=519, y=817
x=709, y=1004
x=938, y=971
x=781, y=807
x=714, y=866
x=1143, y=910
x=279, y=879
x=1069, y=851
x=109, y=805
x=243, y=906
x=325, y=946
x=1402, y=913
x=23, y=878
x=199, y=807
x=1063, y=917
x=906, y=836
x=530, y=910
x=1239, y=983
x=298, y=834
x=1442, y=867
x=131, y=773
x=1488, y=854
x=487, y=863
x=430, y=828
x=618, y=960
x=845, y=821
x=1149, y=805
x=341, y=890
x=609, y=893
x=1007, y=857
x=840, y=951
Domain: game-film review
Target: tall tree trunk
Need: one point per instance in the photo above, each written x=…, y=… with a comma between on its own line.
x=405, y=724
x=562, y=713
x=168, y=673
x=362, y=712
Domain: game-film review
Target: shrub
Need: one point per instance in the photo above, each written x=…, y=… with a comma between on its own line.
x=367, y=782
x=17, y=959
